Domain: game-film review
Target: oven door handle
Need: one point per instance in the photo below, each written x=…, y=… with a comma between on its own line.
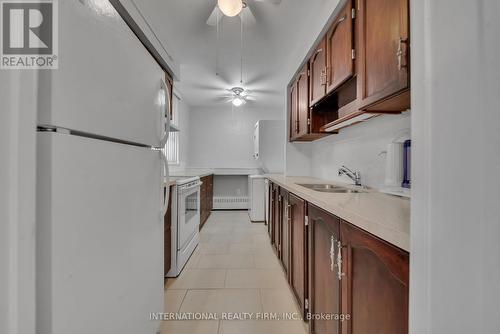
x=187, y=188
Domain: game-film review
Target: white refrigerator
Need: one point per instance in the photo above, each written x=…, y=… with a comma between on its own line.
x=100, y=177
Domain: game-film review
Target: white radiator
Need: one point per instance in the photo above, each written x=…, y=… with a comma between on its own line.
x=230, y=202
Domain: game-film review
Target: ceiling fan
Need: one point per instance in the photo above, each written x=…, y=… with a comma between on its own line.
x=234, y=7
x=238, y=96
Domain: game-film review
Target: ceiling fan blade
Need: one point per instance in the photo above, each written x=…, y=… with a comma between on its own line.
x=247, y=17
x=212, y=19
x=274, y=2
x=224, y=98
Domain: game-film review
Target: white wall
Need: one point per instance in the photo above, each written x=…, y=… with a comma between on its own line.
x=360, y=148
x=298, y=156
x=223, y=137
x=184, y=134
x=17, y=201
x=455, y=229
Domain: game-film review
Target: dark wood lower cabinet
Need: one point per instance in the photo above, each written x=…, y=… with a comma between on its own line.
x=298, y=250
x=375, y=287
x=345, y=280
x=276, y=218
x=284, y=249
x=324, y=285
x=269, y=210
x=167, y=239
x=206, y=198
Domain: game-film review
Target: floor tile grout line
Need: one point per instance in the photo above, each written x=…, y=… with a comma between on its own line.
x=182, y=302
x=261, y=302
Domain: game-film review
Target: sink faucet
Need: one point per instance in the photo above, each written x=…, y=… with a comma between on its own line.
x=355, y=176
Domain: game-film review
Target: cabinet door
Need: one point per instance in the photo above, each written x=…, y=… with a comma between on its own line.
x=323, y=282
x=203, y=201
x=298, y=249
x=317, y=68
x=294, y=116
x=303, y=102
x=340, y=46
x=270, y=229
x=284, y=231
x=210, y=195
x=276, y=218
x=383, y=49
x=375, y=284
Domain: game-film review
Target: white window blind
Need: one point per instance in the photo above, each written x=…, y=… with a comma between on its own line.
x=172, y=145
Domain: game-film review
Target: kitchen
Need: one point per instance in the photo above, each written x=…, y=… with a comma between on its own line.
x=253, y=167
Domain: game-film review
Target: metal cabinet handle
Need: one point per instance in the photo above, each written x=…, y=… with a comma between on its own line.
x=332, y=253
x=400, y=53
x=323, y=77
x=340, y=274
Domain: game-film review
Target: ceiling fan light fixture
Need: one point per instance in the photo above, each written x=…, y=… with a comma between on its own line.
x=230, y=7
x=238, y=102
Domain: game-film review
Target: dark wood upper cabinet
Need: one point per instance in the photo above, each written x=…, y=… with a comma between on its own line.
x=317, y=68
x=305, y=122
x=375, y=284
x=298, y=250
x=340, y=49
x=299, y=106
x=294, y=112
x=324, y=285
x=303, y=102
x=384, y=57
x=361, y=65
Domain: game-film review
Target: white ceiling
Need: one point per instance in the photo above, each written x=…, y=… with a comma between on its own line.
x=181, y=27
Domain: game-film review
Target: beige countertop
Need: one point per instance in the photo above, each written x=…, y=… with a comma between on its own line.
x=170, y=182
x=385, y=216
x=187, y=173
x=192, y=172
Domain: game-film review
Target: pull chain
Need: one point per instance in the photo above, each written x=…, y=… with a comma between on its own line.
x=217, y=45
x=241, y=49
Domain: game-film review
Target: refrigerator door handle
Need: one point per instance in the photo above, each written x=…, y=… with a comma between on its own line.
x=164, y=182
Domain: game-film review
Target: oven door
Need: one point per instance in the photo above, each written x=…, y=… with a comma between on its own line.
x=188, y=215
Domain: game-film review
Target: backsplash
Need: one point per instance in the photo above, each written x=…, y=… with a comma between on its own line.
x=361, y=148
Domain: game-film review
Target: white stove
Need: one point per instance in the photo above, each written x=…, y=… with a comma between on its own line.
x=185, y=221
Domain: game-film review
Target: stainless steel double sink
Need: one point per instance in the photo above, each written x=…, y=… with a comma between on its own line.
x=330, y=188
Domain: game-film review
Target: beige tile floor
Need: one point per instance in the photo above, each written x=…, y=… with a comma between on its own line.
x=233, y=270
